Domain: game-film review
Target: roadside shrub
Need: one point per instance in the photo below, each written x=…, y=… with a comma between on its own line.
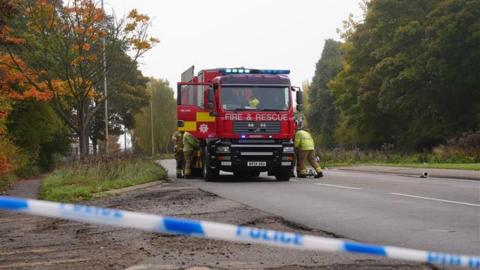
x=11, y=160
x=463, y=149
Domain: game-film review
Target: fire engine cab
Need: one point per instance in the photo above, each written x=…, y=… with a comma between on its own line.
x=244, y=119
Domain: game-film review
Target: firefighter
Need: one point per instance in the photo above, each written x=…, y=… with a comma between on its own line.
x=177, y=139
x=305, y=149
x=253, y=102
x=190, y=145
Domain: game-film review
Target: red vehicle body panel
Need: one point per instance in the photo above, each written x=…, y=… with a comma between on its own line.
x=197, y=119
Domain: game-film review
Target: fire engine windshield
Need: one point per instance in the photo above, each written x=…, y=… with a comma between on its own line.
x=241, y=98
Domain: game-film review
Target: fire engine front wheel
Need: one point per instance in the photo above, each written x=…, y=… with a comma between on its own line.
x=210, y=174
x=283, y=175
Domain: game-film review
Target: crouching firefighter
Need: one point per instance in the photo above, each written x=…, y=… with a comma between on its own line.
x=305, y=150
x=190, y=145
x=177, y=139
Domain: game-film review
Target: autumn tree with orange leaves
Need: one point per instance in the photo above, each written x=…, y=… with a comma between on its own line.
x=63, y=55
x=15, y=86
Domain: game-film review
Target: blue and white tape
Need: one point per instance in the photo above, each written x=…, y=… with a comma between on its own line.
x=219, y=231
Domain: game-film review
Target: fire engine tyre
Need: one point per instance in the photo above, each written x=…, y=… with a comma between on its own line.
x=283, y=176
x=209, y=174
x=255, y=174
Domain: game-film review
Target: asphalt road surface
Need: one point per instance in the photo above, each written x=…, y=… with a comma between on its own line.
x=435, y=213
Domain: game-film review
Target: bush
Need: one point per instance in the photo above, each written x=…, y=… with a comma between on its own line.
x=463, y=149
x=12, y=159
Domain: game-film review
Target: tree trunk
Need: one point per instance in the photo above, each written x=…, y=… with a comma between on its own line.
x=83, y=142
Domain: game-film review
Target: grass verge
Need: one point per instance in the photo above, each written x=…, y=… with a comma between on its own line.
x=456, y=166
x=81, y=180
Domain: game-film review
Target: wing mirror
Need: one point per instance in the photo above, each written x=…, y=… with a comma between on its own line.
x=299, y=97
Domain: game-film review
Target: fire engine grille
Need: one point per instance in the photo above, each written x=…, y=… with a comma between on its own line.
x=246, y=127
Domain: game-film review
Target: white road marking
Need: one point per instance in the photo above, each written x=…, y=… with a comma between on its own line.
x=435, y=199
x=337, y=186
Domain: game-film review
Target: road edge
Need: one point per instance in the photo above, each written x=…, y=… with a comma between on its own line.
x=408, y=174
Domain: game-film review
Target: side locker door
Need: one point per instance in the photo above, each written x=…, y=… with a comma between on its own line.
x=192, y=113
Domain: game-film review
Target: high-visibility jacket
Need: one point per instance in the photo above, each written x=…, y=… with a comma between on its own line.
x=304, y=141
x=190, y=143
x=177, y=139
x=253, y=102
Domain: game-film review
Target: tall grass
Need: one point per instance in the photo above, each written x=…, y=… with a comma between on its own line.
x=81, y=179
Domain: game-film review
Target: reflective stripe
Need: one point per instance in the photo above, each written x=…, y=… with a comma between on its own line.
x=204, y=117
x=188, y=126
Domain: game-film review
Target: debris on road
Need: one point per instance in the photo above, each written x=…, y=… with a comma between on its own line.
x=36, y=242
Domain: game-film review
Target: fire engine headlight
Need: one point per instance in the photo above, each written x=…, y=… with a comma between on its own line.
x=288, y=149
x=223, y=149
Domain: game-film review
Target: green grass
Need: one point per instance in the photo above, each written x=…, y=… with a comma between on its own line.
x=80, y=181
x=163, y=156
x=457, y=166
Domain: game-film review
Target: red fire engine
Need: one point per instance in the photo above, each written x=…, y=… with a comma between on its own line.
x=243, y=117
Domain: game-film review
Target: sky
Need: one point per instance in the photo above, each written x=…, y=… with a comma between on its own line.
x=265, y=34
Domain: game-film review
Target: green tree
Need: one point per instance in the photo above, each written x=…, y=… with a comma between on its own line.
x=164, y=120
x=130, y=96
x=409, y=75
x=36, y=128
x=452, y=54
x=321, y=112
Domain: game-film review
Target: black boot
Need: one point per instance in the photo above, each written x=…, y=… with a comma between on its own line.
x=318, y=175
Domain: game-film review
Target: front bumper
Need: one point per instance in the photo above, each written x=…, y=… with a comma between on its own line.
x=252, y=156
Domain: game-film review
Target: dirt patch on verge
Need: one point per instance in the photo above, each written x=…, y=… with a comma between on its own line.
x=28, y=242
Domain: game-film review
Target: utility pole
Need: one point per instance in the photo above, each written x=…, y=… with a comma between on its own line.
x=105, y=87
x=125, y=139
x=151, y=123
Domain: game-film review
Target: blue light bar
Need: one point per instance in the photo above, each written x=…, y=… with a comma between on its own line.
x=226, y=71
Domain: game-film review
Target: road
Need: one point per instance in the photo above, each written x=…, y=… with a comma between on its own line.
x=32, y=242
x=434, y=213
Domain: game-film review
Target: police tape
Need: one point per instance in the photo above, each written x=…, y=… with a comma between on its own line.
x=220, y=231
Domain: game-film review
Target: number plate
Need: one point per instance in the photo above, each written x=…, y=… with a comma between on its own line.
x=256, y=164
